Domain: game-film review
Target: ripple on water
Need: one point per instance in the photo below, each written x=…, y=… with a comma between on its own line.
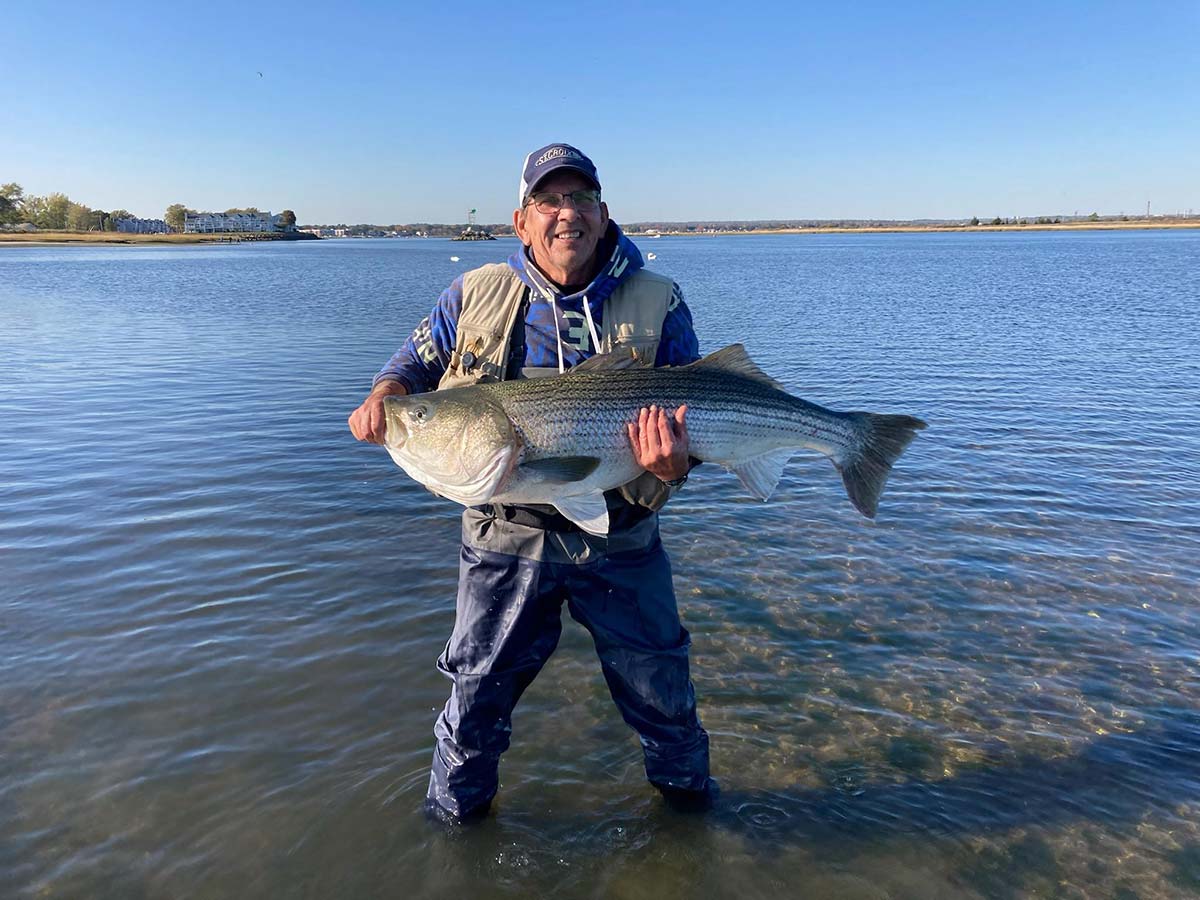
x=220, y=615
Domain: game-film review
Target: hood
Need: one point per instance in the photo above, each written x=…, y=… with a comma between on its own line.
x=622, y=259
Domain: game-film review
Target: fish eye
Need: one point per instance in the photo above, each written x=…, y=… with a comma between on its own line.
x=421, y=413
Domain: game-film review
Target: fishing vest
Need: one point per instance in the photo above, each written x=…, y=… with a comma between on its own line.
x=492, y=300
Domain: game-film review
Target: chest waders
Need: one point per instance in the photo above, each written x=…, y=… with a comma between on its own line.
x=515, y=574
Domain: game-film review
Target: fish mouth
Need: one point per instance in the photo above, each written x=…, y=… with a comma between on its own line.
x=395, y=434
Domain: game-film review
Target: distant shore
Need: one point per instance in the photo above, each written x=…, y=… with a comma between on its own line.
x=110, y=237
x=933, y=229
x=116, y=237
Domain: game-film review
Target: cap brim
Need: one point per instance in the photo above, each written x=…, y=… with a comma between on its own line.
x=556, y=170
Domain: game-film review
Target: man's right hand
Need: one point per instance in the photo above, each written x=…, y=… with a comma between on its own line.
x=367, y=423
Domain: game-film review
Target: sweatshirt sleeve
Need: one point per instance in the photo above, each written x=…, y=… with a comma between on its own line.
x=421, y=362
x=678, y=345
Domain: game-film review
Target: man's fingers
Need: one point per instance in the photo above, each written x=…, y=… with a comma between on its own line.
x=666, y=434
x=648, y=422
x=658, y=435
x=369, y=423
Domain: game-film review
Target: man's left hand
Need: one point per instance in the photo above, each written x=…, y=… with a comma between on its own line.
x=660, y=442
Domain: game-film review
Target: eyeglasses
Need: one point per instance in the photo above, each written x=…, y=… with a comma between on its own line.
x=552, y=201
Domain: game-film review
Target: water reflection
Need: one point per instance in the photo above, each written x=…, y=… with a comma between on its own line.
x=219, y=615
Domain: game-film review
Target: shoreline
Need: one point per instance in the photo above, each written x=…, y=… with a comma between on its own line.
x=119, y=239
x=930, y=229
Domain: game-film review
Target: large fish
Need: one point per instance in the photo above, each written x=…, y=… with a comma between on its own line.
x=562, y=440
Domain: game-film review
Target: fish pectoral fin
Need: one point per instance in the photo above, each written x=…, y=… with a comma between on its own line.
x=588, y=511
x=760, y=475
x=564, y=469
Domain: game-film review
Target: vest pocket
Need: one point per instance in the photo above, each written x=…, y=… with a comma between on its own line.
x=475, y=351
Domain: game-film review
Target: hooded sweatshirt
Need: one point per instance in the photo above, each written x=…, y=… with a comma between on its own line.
x=556, y=328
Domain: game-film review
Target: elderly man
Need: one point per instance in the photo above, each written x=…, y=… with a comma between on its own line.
x=575, y=288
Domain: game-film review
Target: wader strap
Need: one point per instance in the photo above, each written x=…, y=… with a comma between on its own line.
x=516, y=340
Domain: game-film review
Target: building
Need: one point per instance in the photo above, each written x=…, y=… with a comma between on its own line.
x=212, y=223
x=142, y=226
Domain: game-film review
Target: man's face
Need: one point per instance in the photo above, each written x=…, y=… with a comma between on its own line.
x=563, y=243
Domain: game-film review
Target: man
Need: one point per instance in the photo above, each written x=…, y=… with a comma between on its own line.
x=576, y=287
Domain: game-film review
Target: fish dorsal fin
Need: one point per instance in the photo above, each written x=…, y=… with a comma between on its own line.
x=735, y=360
x=588, y=511
x=619, y=358
x=760, y=476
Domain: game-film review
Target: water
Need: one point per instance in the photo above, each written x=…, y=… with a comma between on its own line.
x=219, y=614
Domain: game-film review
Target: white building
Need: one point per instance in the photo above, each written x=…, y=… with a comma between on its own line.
x=210, y=223
x=142, y=226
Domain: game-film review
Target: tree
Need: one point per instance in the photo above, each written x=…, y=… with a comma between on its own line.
x=974, y=220
x=79, y=217
x=11, y=196
x=116, y=216
x=32, y=209
x=54, y=216
x=174, y=216
x=287, y=219
x=996, y=221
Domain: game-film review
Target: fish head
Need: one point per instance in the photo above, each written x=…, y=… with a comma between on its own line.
x=459, y=443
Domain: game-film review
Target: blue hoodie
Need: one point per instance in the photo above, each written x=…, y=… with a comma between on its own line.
x=421, y=362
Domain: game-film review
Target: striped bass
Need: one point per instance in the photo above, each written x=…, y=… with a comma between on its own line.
x=562, y=440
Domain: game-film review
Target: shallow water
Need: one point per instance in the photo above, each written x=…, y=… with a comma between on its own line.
x=219, y=614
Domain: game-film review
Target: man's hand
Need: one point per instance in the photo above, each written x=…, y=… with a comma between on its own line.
x=367, y=423
x=660, y=442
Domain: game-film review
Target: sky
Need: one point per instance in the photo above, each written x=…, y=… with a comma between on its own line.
x=417, y=112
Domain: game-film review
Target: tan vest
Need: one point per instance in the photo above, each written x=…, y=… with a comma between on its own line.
x=633, y=316
x=492, y=294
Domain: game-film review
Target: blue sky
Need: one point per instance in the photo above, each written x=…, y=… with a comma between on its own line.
x=389, y=112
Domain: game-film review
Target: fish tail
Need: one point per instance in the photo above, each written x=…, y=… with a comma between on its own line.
x=865, y=469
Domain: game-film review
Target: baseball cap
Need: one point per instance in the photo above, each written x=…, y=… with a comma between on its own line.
x=551, y=158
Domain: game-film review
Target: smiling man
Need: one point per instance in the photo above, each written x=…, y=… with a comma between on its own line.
x=576, y=287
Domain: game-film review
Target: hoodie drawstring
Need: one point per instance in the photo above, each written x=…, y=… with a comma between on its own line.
x=557, y=332
x=587, y=314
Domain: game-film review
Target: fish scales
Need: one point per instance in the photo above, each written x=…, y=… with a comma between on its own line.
x=564, y=440
x=590, y=411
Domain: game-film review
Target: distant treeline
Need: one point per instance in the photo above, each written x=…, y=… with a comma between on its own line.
x=58, y=212
x=431, y=229
x=54, y=212
x=413, y=229
x=777, y=224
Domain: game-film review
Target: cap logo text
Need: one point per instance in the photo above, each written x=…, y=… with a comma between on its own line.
x=557, y=153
